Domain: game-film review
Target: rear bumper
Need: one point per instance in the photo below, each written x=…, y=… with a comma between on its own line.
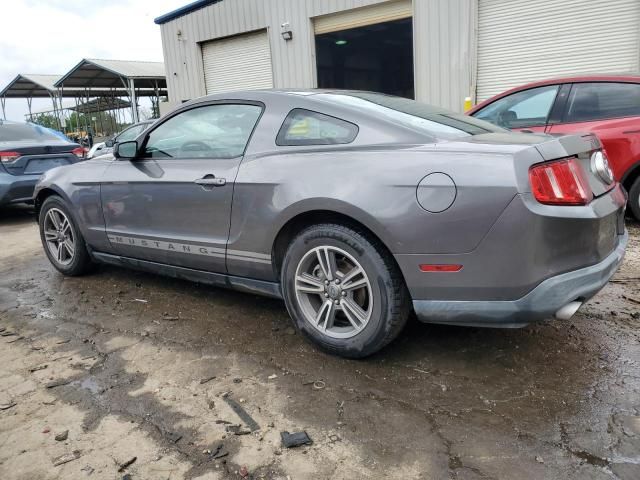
x=540, y=303
x=17, y=189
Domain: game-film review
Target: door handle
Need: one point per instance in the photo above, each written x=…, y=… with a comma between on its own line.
x=211, y=181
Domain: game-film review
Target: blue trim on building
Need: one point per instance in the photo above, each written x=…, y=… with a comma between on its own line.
x=191, y=7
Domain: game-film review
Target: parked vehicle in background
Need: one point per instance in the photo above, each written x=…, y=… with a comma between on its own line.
x=26, y=151
x=606, y=105
x=129, y=133
x=354, y=207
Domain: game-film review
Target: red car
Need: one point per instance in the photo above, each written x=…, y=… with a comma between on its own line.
x=606, y=105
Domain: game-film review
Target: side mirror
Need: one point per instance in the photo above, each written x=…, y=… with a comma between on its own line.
x=109, y=143
x=126, y=150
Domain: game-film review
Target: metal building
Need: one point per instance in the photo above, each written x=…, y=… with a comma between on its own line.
x=437, y=51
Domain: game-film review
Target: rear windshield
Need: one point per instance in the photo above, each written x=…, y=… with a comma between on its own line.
x=418, y=116
x=24, y=132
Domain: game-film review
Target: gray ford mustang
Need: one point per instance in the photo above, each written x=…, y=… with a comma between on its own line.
x=355, y=208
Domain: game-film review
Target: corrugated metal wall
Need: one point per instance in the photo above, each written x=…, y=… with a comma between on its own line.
x=444, y=44
x=442, y=36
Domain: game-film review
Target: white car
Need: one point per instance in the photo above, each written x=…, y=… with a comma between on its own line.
x=129, y=133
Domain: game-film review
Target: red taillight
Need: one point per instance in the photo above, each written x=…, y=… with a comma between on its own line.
x=429, y=267
x=562, y=182
x=8, y=156
x=78, y=152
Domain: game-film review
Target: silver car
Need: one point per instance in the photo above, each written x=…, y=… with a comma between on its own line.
x=356, y=208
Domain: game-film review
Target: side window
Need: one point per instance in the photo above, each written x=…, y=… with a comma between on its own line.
x=596, y=101
x=130, y=134
x=529, y=108
x=212, y=131
x=304, y=127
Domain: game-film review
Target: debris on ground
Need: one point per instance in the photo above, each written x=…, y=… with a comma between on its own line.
x=62, y=342
x=87, y=470
x=292, y=440
x=62, y=436
x=46, y=430
x=319, y=385
x=66, y=458
x=242, y=413
x=7, y=406
x=123, y=466
x=244, y=472
x=140, y=300
x=333, y=438
x=237, y=380
x=224, y=422
x=39, y=367
x=127, y=476
x=237, y=430
x=217, y=452
x=57, y=383
x=207, y=379
x=539, y=459
x=632, y=299
x=271, y=377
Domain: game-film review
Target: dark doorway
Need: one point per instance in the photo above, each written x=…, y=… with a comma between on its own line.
x=377, y=57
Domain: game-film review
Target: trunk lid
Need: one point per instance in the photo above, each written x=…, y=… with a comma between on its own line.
x=36, y=159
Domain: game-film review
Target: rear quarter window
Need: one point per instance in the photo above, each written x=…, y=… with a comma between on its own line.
x=305, y=127
x=602, y=100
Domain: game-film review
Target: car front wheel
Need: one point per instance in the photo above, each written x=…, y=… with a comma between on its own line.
x=343, y=290
x=62, y=241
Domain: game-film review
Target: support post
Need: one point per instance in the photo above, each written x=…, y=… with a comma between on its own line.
x=3, y=99
x=134, y=101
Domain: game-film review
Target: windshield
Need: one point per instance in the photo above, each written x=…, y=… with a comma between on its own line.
x=418, y=116
x=26, y=132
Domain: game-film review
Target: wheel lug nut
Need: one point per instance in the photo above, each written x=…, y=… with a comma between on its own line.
x=337, y=302
x=337, y=281
x=326, y=282
x=344, y=294
x=326, y=294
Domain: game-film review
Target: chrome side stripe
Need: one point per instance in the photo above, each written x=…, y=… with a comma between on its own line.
x=189, y=249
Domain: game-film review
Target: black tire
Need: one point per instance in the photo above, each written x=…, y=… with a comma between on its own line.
x=390, y=303
x=81, y=260
x=634, y=198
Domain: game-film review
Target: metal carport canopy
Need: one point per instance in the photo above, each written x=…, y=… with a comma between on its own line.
x=137, y=78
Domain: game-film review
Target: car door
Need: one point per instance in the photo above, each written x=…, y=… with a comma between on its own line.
x=527, y=110
x=611, y=110
x=172, y=203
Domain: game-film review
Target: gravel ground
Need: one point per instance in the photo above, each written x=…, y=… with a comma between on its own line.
x=139, y=366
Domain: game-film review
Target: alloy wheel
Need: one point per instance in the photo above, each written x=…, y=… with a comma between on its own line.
x=59, y=236
x=333, y=292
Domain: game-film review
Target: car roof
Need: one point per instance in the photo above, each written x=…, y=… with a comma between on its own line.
x=609, y=77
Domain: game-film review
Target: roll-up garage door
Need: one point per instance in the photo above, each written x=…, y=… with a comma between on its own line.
x=520, y=41
x=359, y=17
x=237, y=63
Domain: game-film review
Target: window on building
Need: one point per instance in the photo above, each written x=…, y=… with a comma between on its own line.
x=600, y=100
x=212, y=131
x=304, y=127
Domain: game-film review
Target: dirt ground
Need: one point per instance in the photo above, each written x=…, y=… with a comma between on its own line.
x=139, y=366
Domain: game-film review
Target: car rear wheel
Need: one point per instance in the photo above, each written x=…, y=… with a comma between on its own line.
x=634, y=198
x=62, y=241
x=344, y=291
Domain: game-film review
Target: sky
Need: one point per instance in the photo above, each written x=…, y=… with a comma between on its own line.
x=52, y=36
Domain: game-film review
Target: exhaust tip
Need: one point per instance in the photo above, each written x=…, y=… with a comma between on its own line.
x=566, y=312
